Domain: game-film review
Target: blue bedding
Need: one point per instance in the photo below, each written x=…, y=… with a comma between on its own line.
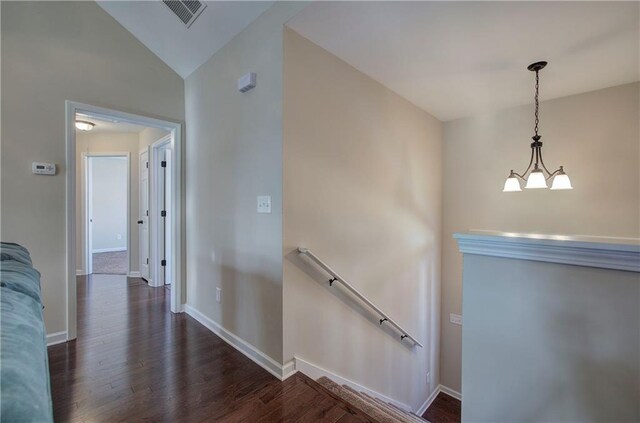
x=25, y=392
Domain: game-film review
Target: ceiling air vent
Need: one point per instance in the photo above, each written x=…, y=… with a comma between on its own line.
x=186, y=11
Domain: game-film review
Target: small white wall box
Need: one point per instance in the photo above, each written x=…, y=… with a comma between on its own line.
x=40, y=168
x=247, y=82
x=264, y=204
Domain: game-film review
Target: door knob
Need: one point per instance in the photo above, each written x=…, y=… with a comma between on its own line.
x=140, y=222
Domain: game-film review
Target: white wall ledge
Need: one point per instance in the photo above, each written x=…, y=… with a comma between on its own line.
x=601, y=252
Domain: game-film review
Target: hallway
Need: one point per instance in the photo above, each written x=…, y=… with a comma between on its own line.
x=111, y=263
x=133, y=361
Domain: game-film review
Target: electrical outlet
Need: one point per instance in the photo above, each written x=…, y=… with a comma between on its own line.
x=456, y=319
x=119, y=236
x=264, y=204
x=218, y=294
x=428, y=378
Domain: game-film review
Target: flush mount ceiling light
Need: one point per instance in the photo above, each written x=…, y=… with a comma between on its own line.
x=539, y=175
x=84, y=125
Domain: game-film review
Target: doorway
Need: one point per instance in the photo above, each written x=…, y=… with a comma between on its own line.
x=106, y=220
x=161, y=198
x=168, y=212
x=143, y=213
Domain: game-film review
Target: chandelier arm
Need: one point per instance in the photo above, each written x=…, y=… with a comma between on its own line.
x=528, y=167
x=551, y=175
x=545, y=168
x=519, y=176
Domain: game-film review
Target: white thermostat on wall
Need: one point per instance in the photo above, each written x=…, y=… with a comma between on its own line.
x=247, y=82
x=40, y=168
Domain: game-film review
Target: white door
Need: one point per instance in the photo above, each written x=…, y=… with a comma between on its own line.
x=143, y=220
x=89, y=216
x=167, y=221
x=162, y=215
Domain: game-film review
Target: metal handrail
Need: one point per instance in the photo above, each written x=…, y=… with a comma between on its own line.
x=335, y=277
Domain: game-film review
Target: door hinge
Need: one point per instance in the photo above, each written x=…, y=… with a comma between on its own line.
x=147, y=212
x=147, y=260
x=163, y=213
x=163, y=163
x=163, y=263
x=147, y=164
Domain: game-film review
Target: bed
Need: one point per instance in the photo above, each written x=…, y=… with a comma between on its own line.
x=25, y=389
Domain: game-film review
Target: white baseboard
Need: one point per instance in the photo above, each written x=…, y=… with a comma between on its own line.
x=240, y=344
x=289, y=369
x=455, y=394
x=109, y=250
x=439, y=389
x=315, y=372
x=56, y=338
x=134, y=274
x=428, y=402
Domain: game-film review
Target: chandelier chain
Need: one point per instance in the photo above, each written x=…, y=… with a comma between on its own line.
x=536, y=99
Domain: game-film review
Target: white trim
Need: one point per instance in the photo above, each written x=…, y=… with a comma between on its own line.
x=428, y=402
x=135, y=274
x=455, y=394
x=155, y=222
x=601, y=252
x=143, y=213
x=71, y=108
x=289, y=369
x=315, y=372
x=257, y=356
x=87, y=193
x=439, y=389
x=56, y=338
x=109, y=250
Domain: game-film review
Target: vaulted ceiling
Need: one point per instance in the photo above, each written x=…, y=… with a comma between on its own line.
x=452, y=59
x=184, y=48
x=455, y=59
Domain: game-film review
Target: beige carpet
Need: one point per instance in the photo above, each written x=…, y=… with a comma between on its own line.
x=114, y=263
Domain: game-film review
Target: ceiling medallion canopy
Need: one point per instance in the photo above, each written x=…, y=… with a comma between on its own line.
x=539, y=175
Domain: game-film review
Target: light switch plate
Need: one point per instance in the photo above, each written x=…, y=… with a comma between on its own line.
x=218, y=294
x=456, y=319
x=264, y=204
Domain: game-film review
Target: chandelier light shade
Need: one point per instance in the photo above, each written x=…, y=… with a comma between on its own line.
x=512, y=184
x=84, y=125
x=536, y=179
x=537, y=176
x=561, y=181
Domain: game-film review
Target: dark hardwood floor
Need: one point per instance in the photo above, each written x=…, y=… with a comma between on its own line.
x=444, y=409
x=136, y=361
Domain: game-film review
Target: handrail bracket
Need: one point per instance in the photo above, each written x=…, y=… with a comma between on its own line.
x=335, y=277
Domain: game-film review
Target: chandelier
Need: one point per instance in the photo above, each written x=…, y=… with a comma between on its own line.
x=539, y=175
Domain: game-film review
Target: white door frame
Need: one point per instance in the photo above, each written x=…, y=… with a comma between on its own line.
x=175, y=129
x=86, y=190
x=155, y=222
x=143, y=215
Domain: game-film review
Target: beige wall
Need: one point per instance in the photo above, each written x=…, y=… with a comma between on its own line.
x=150, y=135
x=90, y=142
x=362, y=189
x=594, y=135
x=547, y=342
x=52, y=52
x=234, y=154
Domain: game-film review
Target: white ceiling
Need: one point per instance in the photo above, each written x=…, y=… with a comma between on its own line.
x=184, y=49
x=106, y=126
x=455, y=59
